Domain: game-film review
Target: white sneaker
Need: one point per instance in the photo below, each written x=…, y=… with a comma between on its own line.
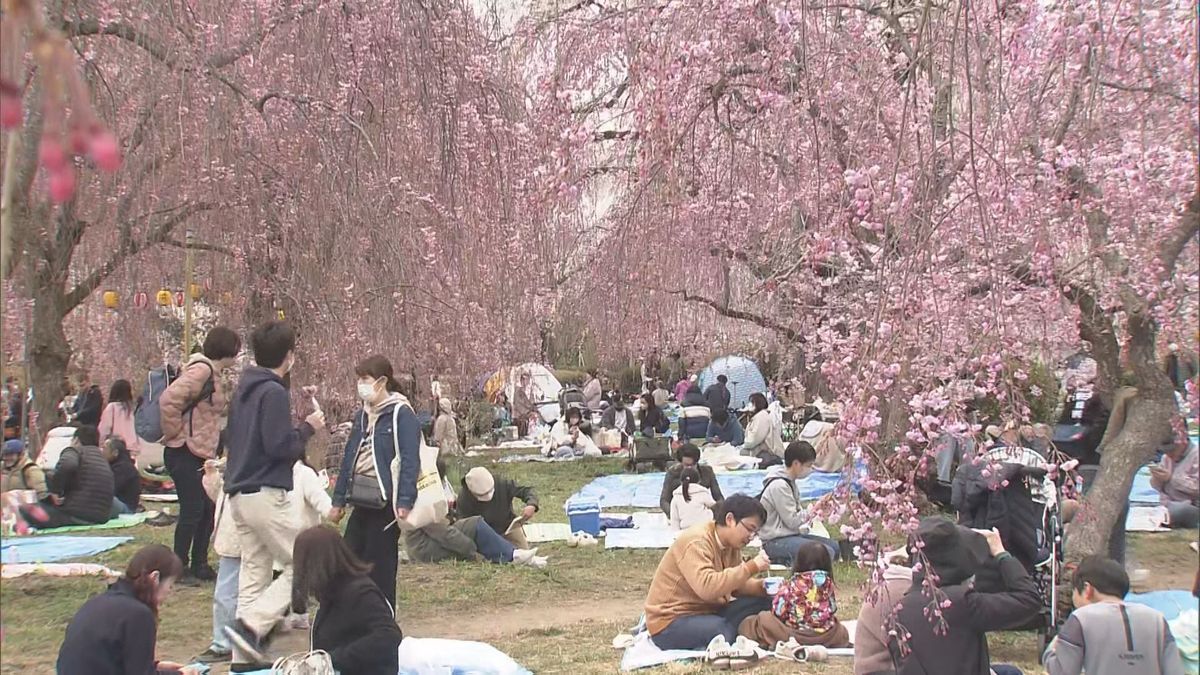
x=585, y=539
x=717, y=653
x=573, y=540
x=539, y=562
x=522, y=556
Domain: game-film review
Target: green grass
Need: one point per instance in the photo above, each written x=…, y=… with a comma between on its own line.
x=561, y=620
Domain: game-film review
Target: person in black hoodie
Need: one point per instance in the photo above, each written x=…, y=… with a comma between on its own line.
x=956, y=642
x=114, y=633
x=355, y=624
x=81, y=488
x=261, y=448
x=717, y=395
x=127, y=482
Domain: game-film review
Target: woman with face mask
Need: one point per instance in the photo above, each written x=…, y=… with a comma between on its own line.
x=386, y=426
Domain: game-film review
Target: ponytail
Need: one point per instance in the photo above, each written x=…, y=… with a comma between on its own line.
x=688, y=477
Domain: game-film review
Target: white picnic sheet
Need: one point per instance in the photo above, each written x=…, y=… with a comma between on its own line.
x=1146, y=518
x=14, y=570
x=539, y=533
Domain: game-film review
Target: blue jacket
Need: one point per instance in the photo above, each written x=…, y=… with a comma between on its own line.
x=260, y=442
x=407, y=436
x=732, y=433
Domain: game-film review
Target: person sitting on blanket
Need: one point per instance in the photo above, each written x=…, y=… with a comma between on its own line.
x=81, y=490
x=702, y=588
x=805, y=606
x=689, y=456
x=725, y=428
x=764, y=434
x=651, y=419
x=483, y=495
x=787, y=523
x=1177, y=479
x=20, y=472
x=569, y=437
x=355, y=623
x=618, y=416
x=127, y=482
x=692, y=503
x=114, y=633
x=871, y=655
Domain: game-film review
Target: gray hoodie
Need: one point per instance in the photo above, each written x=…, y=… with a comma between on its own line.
x=785, y=515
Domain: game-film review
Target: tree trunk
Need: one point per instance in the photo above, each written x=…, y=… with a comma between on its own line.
x=1133, y=447
x=49, y=354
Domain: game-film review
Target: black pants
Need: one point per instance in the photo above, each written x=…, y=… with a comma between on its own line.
x=371, y=543
x=195, y=525
x=55, y=517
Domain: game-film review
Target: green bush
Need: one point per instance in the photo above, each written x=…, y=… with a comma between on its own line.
x=629, y=379
x=568, y=378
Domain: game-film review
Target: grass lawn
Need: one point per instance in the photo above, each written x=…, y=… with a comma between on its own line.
x=561, y=620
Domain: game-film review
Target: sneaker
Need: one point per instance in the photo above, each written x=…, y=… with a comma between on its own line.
x=522, y=556
x=214, y=655
x=247, y=641
x=204, y=573
x=743, y=653
x=188, y=578
x=539, y=562
x=585, y=539
x=717, y=653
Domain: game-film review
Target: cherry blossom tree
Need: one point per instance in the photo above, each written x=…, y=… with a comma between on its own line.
x=908, y=192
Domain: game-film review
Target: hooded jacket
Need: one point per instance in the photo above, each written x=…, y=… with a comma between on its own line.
x=958, y=645
x=396, y=426
x=871, y=653
x=200, y=428
x=262, y=444
x=497, y=511
x=445, y=429
x=693, y=511
x=785, y=515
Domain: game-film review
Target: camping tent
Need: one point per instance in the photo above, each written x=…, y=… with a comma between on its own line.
x=744, y=378
x=545, y=387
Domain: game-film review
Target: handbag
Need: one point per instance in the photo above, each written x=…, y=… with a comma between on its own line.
x=304, y=663
x=365, y=493
x=430, y=506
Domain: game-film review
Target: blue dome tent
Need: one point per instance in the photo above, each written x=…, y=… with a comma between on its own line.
x=744, y=378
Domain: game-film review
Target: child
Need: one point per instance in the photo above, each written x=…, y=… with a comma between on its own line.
x=692, y=502
x=804, y=608
x=1104, y=635
x=311, y=504
x=127, y=482
x=229, y=552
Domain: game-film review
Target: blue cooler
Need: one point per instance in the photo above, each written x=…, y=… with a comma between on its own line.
x=584, y=516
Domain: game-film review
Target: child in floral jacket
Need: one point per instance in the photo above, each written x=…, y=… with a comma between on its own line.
x=805, y=606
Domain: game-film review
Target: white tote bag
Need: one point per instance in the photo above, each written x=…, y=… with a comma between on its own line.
x=431, y=506
x=304, y=663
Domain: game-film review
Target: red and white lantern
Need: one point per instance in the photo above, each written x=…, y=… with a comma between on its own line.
x=141, y=299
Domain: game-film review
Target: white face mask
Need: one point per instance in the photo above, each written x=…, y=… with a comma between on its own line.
x=366, y=391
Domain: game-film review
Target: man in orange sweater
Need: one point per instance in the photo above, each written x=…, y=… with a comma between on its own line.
x=702, y=588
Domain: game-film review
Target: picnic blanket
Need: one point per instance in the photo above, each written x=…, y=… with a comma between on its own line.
x=435, y=656
x=1146, y=518
x=643, y=653
x=14, y=570
x=539, y=533
x=1170, y=603
x=643, y=490
x=53, y=548
x=122, y=521
x=1141, y=492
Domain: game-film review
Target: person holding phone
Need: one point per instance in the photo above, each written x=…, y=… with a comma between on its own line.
x=1177, y=479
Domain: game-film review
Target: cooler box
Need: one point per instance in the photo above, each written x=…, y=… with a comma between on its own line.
x=584, y=516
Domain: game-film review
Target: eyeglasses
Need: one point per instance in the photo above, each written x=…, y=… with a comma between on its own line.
x=750, y=530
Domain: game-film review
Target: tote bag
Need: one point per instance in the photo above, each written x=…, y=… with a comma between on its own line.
x=430, y=506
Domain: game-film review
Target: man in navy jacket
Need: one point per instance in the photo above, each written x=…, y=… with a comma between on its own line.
x=262, y=447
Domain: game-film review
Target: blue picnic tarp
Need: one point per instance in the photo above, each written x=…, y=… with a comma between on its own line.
x=52, y=548
x=643, y=490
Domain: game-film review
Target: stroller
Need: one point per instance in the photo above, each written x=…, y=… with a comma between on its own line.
x=1025, y=512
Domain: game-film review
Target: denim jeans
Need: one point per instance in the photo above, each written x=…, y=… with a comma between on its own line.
x=491, y=545
x=695, y=632
x=225, y=597
x=783, y=550
x=118, y=508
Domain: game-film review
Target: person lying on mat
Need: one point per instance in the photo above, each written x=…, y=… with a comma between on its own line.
x=355, y=624
x=1105, y=636
x=689, y=456
x=81, y=489
x=483, y=495
x=702, y=588
x=1177, y=479
x=114, y=633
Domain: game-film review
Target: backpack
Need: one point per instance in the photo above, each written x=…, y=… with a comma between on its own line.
x=147, y=420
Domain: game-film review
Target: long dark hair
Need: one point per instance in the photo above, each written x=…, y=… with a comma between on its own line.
x=812, y=556
x=150, y=559
x=688, y=477
x=648, y=408
x=121, y=392
x=321, y=559
x=378, y=366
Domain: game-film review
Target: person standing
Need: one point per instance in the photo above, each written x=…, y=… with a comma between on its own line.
x=445, y=430
x=262, y=448
x=192, y=408
x=88, y=404
x=523, y=404
x=386, y=425
x=593, y=392
x=717, y=394
x=117, y=418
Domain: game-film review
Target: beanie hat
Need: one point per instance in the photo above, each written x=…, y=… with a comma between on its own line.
x=14, y=446
x=954, y=552
x=481, y=483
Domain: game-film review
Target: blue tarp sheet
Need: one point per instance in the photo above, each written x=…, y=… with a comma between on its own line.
x=643, y=490
x=1170, y=603
x=52, y=548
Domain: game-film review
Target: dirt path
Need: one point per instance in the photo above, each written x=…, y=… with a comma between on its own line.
x=502, y=621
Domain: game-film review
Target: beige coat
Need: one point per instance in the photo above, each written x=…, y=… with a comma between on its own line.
x=200, y=428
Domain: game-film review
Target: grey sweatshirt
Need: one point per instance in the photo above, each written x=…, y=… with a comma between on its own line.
x=785, y=516
x=1113, y=638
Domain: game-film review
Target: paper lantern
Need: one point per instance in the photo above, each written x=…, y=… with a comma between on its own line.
x=111, y=299
x=163, y=298
x=140, y=299
x=197, y=291
x=179, y=298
